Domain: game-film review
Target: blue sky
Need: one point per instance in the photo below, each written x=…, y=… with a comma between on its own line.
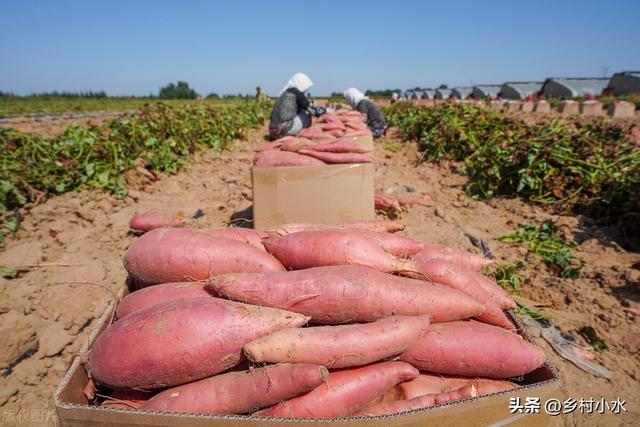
x=137, y=46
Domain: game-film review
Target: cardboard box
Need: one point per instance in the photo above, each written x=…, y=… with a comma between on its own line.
x=527, y=106
x=73, y=409
x=327, y=194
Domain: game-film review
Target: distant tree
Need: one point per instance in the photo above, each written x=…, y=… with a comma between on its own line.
x=181, y=90
x=443, y=86
x=213, y=95
x=335, y=95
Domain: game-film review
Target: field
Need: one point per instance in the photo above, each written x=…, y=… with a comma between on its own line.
x=555, y=201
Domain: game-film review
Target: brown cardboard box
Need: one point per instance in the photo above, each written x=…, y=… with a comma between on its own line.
x=542, y=107
x=569, y=107
x=72, y=407
x=328, y=194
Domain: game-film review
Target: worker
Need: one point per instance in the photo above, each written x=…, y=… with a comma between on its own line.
x=260, y=95
x=293, y=111
x=375, y=118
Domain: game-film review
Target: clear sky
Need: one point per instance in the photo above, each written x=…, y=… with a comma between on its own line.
x=137, y=46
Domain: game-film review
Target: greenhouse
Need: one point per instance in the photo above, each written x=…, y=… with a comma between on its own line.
x=485, y=91
x=461, y=92
x=519, y=90
x=625, y=83
x=573, y=87
x=442, y=93
x=428, y=94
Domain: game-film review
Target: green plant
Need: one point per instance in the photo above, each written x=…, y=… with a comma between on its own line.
x=534, y=313
x=32, y=167
x=506, y=275
x=544, y=243
x=591, y=168
x=392, y=147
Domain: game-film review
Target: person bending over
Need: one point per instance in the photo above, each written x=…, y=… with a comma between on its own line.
x=375, y=118
x=293, y=111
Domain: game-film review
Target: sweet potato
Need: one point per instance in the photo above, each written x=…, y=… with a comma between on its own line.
x=380, y=225
x=420, y=402
x=431, y=384
x=275, y=145
x=449, y=274
x=126, y=399
x=150, y=221
x=339, y=346
x=386, y=203
x=355, y=132
x=246, y=235
x=397, y=244
x=473, y=348
x=309, y=132
x=240, y=392
x=152, y=295
x=345, y=393
x=336, y=158
x=345, y=294
x=295, y=144
x=458, y=256
x=339, y=146
x=337, y=133
x=176, y=254
x=180, y=341
x=333, y=126
x=308, y=249
x=273, y=158
x=498, y=294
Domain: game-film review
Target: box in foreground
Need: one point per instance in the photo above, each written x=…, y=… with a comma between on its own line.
x=73, y=409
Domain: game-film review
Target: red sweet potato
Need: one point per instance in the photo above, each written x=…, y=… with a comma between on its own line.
x=386, y=203
x=432, y=384
x=355, y=132
x=152, y=295
x=337, y=133
x=449, y=274
x=473, y=348
x=420, y=402
x=309, y=132
x=176, y=254
x=345, y=393
x=273, y=158
x=336, y=158
x=333, y=126
x=246, y=235
x=240, y=392
x=126, y=399
x=295, y=144
x=275, y=145
x=308, y=249
x=339, y=146
x=339, y=346
x=150, y=221
x=397, y=244
x=498, y=294
x=458, y=256
x=380, y=225
x=180, y=341
x=345, y=294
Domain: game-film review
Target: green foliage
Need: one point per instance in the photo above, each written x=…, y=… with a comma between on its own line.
x=534, y=313
x=96, y=157
x=385, y=93
x=592, y=337
x=392, y=147
x=181, y=90
x=544, y=243
x=593, y=169
x=506, y=275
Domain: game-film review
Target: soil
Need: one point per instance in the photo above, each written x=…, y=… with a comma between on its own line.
x=45, y=318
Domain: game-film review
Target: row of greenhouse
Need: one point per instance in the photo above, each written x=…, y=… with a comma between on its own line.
x=620, y=84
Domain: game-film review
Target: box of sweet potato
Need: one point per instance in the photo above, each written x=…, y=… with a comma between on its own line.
x=516, y=406
x=331, y=193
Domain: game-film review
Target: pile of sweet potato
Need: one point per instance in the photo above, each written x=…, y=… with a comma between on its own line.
x=305, y=321
x=330, y=140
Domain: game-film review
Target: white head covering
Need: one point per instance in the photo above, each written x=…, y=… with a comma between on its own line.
x=300, y=81
x=354, y=96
